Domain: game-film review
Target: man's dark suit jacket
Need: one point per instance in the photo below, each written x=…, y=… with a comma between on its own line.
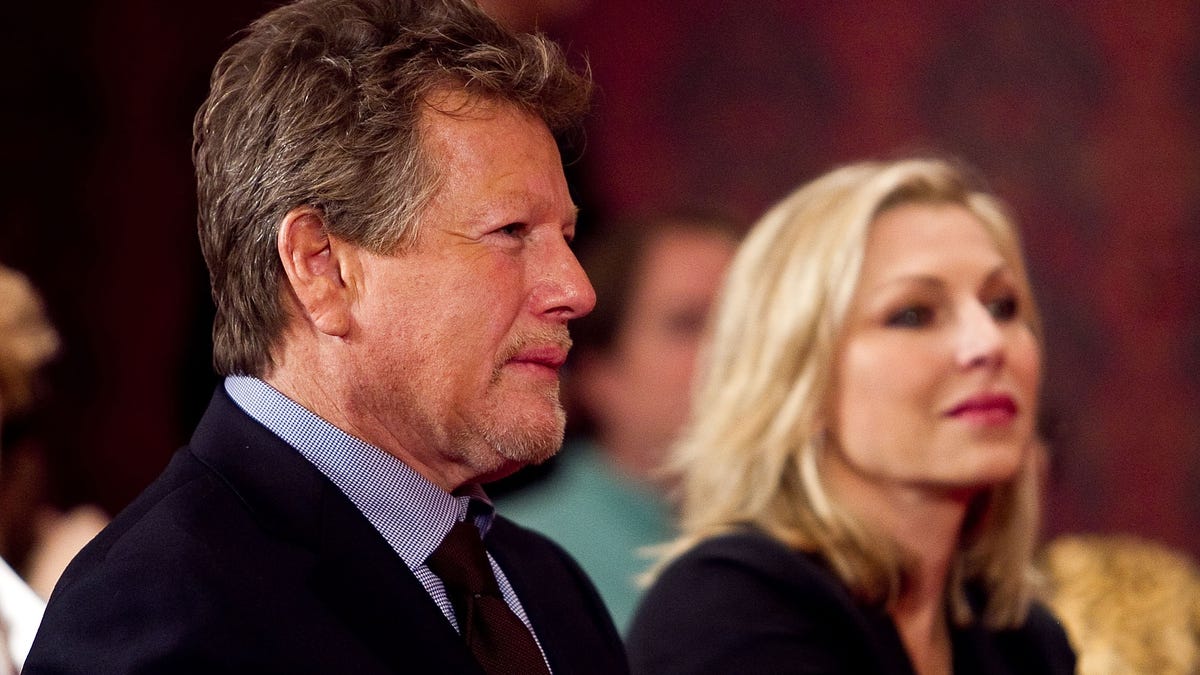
x=243, y=557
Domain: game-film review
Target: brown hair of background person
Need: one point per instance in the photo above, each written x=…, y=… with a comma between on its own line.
x=27, y=342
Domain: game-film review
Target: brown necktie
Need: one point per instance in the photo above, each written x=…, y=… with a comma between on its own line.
x=496, y=636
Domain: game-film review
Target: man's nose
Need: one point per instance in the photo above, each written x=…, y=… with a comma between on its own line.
x=563, y=290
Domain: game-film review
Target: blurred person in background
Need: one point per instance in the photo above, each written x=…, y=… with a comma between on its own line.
x=27, y=343
x=1131, y=606
x=628, y=388
x=859, y=473
x=38, y=538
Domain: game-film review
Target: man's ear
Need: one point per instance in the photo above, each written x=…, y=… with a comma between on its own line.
x=315, y=270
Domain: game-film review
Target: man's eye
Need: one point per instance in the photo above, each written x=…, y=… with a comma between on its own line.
x=911, y=317
x=511, y=229
x=1003, y=309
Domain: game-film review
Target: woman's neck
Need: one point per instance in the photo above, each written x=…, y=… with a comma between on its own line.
x=927, y=530
x=926, y=525
x=921, y=618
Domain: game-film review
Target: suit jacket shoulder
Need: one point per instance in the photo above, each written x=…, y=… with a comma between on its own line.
x=243, y=557
x=744, y=603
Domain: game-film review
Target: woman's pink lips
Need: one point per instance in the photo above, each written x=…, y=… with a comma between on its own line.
x=986, y=408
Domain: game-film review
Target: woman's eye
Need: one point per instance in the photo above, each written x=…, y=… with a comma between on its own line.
x=1003, y=309
x=911, y=317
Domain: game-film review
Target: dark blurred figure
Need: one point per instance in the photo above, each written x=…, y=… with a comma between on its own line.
x=38, y=539
x=628, y=388
x=27, y=342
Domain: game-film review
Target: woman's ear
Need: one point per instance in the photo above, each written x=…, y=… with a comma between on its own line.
x=316, y=267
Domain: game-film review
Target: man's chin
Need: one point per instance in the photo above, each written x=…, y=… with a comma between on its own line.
x=506, y=455
x=530, y=445
x=504, y=445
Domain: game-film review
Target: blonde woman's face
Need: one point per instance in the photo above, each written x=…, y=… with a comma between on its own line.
x=936, y=375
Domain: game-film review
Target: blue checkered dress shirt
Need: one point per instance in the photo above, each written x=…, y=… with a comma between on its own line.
x=411, y=513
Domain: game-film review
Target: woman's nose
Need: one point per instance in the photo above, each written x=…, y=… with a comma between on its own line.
x=980, y=337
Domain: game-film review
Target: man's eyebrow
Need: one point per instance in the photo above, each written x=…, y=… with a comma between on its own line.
x=487, y=211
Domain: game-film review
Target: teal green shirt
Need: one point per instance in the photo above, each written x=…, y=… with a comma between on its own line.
x=600, y=517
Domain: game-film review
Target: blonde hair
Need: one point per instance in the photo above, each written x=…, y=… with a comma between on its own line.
x=27, y=341
x=749, y=453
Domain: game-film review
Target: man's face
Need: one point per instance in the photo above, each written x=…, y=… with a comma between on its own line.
x=459, y=341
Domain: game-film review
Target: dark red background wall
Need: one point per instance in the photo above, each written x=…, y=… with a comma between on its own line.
x=1085, y=116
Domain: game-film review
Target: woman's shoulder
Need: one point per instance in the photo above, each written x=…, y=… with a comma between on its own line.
x=1045, y=640
x=1039, y=646
x=752, y=551
x=754, y=558
x=748, y=601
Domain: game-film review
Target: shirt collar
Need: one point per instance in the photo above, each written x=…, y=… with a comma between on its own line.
x=408, y=510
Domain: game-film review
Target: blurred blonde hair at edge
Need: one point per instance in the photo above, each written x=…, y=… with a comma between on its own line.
x=749, y=454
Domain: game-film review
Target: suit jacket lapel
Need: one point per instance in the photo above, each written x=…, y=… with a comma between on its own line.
x=361, y=578
x=567, y=614
x=358, y=575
